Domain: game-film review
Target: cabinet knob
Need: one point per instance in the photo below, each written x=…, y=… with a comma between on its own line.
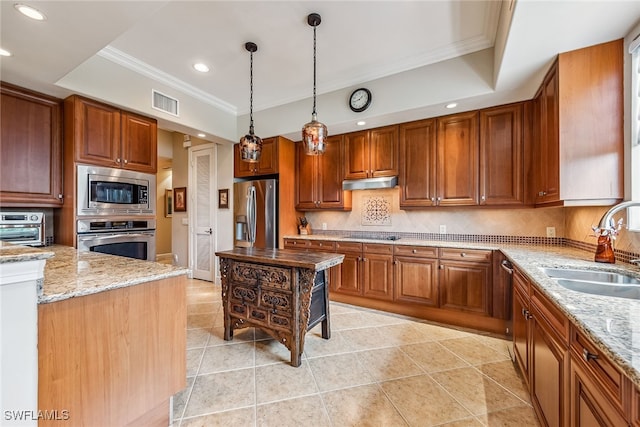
x=483, y=199
x=126, y=161
x=542, y=193
x=364, y=259
x=462, y=254
x=588, y=356
x=415, y=251
x=441, y=267
x=60, y=196
x=118, y=160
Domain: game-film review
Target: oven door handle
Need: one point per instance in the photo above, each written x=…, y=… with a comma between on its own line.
x=118, y=236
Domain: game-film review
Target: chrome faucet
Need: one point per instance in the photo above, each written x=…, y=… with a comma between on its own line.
x=605, y=221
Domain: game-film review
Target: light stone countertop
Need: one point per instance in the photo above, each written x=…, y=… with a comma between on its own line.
x=613, y=324
x=73, y=274
x=18, y=253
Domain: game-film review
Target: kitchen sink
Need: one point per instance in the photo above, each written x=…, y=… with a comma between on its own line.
x=603, y=283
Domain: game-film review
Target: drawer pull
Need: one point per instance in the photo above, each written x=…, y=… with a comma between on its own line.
x=526, y=314
x=462, y=254
x=415, y=251
x=588, y=356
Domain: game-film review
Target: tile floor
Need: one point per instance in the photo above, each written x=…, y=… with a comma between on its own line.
x=376, y=370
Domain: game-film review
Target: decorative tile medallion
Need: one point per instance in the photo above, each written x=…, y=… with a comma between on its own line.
x=376, y=210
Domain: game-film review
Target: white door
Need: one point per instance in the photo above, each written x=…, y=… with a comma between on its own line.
x=203, y=215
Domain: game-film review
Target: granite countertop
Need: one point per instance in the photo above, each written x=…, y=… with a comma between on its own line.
x=613, y=324
x=401, y=241
x=17, y=253
x=70, y=273
x=317, y=261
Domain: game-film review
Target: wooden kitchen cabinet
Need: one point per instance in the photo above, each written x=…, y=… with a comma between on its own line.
x=267, y=165
x=417, y=179
x=502, y=156
x=579, y=128
x=371, y=153
x=416, y=275
x=367, y=270
x=521, y=321
x=349, y=272
x=465, y=280
x=319, y=178
x=31, y=149
x=102, y=135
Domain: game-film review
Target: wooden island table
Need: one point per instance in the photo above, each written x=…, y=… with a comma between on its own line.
x=283, y=292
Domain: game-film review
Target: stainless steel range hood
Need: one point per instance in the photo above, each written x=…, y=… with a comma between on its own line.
x=370, y=183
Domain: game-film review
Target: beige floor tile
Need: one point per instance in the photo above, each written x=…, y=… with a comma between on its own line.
x=239, y=335
x=200, y=320
x=467, y=422
x=347, y=320
x=244, y=417
x=218, y=319
x=316, y=346
x=282, y=381
x=221, y=392
x=194, y=356
x=388, y=363
x=476, y=392
x=180, y=399
x=271, y=351
x=365, y=338
x=379, y=319
x=507, y=375
x=402, y=334
x=365, y=406
x=338, y=308
x=433, y=357
x=203, y=307
x=303, y=411
x=436, y=332
x=197, y=338
x=227, y=357
x=518, y=416
x=339, y=371
x=498, y=344
x=422, y=402
x=473, y=351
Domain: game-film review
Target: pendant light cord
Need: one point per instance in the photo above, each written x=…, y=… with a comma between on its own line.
x=314, y=70
x=251, y=96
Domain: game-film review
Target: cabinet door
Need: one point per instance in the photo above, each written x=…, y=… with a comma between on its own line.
x=457, y=160
x=139, y=143
x=377, y=276
x=306, y=180
x=267, y=165
x=330, y=173
x=356, y=155
x=548, y=165
x=349, y=273
x=589, y=406
x=501, y=156
x=416, y=280
x=31, y=149
x=383, y=151
x=417, y=177
x=96, y=129
x=521, y=331
x=465, y=286
x=549, y=364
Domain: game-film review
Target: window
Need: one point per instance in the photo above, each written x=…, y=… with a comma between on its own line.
x=634, y=114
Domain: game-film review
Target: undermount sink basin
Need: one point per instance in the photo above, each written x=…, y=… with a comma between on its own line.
x=603, y=283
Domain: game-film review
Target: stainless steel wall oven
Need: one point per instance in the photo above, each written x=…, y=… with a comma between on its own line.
x=129, y=237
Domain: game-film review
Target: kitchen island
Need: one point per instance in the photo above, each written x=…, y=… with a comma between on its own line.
x=283, y=292
x=111, y=339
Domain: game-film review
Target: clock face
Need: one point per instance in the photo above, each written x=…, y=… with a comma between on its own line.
x=360, y=100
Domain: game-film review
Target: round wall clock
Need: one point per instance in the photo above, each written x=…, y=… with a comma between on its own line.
x=360, y=100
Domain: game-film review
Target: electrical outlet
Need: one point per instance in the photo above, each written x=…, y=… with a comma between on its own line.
x=443, y=229
x=551, y=232
x=185, y=221
x=324, y=225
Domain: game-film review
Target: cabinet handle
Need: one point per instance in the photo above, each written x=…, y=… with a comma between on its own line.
x=542, y=193
x=588, y=356
x=526, y=314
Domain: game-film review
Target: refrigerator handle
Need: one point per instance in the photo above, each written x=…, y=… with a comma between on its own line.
x=251, y=214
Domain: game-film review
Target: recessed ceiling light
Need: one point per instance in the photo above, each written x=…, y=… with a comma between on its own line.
x=451, y=105
x=4, y=52
x=361, y=123
x=201, y=135
x=201, y=67
x=30, y=12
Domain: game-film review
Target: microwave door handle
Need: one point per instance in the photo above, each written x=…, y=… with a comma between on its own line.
x=119, y=236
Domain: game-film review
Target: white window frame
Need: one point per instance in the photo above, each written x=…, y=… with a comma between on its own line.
x=632, y=42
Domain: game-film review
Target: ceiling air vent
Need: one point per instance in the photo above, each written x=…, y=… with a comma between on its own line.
x=165, y=103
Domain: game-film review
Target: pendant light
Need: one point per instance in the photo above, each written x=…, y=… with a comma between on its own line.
x=314, y=133
x=251, y=144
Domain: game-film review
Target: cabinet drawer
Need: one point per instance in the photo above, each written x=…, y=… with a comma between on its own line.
x=321, y=245
x=551, y=314
x=598, y=365
x=416, y=251
x=377, y=248
x=251, y=275
x=476, y=255
x=348, y=247
x=275, y=301
x=521, y=283
x=295, y=243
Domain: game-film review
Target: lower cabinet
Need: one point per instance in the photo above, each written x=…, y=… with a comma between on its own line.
x=520, y=319
x=416, y=275
x=367, y=270
x=465, y=280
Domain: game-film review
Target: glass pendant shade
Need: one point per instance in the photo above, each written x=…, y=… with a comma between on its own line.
x=314, y=135
x=251, y=144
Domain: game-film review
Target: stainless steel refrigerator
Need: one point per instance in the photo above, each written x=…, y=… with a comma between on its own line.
x=255, y=213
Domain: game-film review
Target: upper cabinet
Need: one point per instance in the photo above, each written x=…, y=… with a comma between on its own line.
x=31, y=149
x=103, y=135
x=371, y=153
x=578, y=128
x=417, y=177
x=267, y=165
x=319, y=178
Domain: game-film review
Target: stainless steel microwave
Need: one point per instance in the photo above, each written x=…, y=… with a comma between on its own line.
x=110, y=191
